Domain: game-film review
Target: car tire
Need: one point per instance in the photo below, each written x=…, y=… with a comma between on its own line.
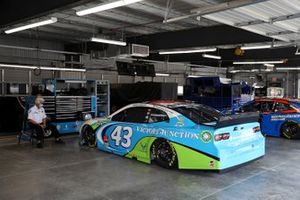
x=290, y=130
x=164, y=154
x=87, y=137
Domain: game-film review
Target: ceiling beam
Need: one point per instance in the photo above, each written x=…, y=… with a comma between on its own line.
x=279, y=33
x=224, y=6
x=272, y=20
x=215, y=8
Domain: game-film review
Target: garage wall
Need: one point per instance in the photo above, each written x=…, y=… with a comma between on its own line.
x=287, y=80
x=104, y=69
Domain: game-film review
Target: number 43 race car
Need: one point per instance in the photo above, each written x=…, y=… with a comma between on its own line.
x=177, y=135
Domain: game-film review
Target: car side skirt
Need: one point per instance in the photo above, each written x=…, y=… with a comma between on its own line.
x=188, y=158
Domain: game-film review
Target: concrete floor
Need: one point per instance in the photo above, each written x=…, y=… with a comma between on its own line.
x=68, y=172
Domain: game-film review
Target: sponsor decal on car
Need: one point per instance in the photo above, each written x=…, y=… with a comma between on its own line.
x=167, y=133
x=206, y=136
x=283, y=117
x=180, y=121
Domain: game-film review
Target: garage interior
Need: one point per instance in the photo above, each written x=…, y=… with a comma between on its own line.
x=98, y=61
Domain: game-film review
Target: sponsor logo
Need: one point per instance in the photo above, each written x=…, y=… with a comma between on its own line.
x=206, y=136
x=180, y=121
x=284, y=117
x=167, y=133
x=144, y=147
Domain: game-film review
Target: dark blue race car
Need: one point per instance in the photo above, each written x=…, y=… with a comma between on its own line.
x=279, y=117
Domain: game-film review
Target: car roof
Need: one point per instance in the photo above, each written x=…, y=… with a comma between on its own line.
x=282, y=100
x=171, y=103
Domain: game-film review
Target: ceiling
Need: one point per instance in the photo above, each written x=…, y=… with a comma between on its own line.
x=145, y=17
x=278, y=19
x=221, y=23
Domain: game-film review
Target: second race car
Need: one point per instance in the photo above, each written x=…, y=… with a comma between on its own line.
x=177, y=135
x=279, y=117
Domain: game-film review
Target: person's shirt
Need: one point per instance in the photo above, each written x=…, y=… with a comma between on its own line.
x=37, y=114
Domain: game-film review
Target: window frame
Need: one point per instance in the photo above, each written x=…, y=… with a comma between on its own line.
x=285, y=104
x=146, y=117
x=167, y=120
x=126, y=109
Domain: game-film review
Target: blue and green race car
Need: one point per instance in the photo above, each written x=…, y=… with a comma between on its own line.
x=177, y=135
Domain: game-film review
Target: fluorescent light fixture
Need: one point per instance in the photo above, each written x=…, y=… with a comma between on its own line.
x=42, y=68
x=107, y=6
x=193, y=76
x=162, y=74
x=254, y=70
x=258, y=62
x=75, y=81
x=188, y=51
x=288, y=68
x=211, y=56
x=115, y=42
x=256, y=47
x=34, y=25
x=269, y=65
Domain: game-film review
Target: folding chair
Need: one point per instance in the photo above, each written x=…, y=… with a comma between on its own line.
x=26, y=134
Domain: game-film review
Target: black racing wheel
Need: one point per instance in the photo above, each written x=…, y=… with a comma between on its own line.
x=164, y=154
x=87, y=137
x=290, y=130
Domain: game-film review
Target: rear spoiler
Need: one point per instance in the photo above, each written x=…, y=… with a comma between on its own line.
x=231, y=120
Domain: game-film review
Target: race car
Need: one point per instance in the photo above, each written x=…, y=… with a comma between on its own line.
x=177, y=135
x=279, y=117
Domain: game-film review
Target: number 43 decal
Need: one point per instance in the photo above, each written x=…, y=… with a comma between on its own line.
x=116, y=136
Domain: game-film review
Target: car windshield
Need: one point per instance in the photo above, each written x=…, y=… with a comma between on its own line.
x=199, y=114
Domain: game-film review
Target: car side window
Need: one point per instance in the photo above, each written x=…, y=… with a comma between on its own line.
x=266, y=106
x=281, y=107
x=118, y=117
x=251, y=107
x=157, y=116
x=133, y=115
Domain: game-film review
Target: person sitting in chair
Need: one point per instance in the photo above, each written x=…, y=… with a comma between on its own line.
x=37, y=120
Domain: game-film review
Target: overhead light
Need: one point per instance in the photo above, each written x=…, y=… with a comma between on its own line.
x=287, y=68
x=162, y=74
x=193, y=76
x=267, y=46
x=75, y=81
x=188, y=51
x=34, y=25
x=254, y=70
x=256, y=47
x=107, y=6
x=269, y=65
x=42, y=68
x=240, y=71
x=211, y=56
x=115, y=42
x=258, y=62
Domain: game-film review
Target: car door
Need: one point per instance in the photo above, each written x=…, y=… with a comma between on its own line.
x=281, y=113
x=267, y=110
x=121, y=133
